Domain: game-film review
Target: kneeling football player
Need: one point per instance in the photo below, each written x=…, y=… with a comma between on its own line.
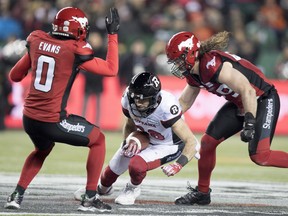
x=156, y=112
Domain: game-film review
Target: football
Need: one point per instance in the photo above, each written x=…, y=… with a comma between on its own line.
x=141, y=138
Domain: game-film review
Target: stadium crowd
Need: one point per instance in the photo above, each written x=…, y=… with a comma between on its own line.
x=258, y=27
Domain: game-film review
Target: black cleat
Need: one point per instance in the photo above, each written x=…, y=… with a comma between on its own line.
x=93, y=204
x=194, y=197
x=14, y=201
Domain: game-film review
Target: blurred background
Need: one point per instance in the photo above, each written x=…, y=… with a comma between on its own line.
x=259, y=34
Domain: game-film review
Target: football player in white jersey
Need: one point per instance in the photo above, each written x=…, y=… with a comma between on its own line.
x=157, y=112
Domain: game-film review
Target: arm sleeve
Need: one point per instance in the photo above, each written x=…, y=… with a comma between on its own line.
x=20, y=70
x=108, y=67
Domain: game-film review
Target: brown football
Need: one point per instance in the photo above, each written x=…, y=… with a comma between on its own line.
x=143, y=138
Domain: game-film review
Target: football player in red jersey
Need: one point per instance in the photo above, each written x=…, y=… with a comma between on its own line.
x=55, y=59
x=252, y=105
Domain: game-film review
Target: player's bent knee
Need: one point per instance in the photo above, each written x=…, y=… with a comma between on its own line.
x=96, y=137
x=260, y=159
x=209, y=143
x=137, y=164
x=137, y=169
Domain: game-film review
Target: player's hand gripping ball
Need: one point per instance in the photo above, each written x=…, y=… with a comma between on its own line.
x=134, y=143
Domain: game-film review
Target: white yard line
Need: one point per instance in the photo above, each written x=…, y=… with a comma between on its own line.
x=239, y=198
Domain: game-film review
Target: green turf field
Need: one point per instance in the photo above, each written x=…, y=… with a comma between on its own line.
x=233, y=162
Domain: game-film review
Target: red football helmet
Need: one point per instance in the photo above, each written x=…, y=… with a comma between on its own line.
x=182, y=50
x=71, y=22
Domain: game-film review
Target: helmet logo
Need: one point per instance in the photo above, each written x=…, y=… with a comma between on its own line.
x=155, y=81
x=187, y=43
x=83, y=21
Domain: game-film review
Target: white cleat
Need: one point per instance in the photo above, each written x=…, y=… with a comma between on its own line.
x=79, y=194
x=128, y=195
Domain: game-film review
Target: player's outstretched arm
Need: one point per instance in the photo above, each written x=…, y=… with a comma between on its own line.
x=110, y=65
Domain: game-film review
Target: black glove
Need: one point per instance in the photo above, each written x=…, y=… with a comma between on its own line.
x=112, y=21
x=247, y=134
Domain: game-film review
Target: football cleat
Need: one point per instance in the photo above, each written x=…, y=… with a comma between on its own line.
x=128, y=195
x=14, y=201
x=194, y=197
x=93, y=204
x=79, y=194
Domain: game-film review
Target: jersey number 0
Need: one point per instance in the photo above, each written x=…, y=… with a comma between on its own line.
x=42, y=83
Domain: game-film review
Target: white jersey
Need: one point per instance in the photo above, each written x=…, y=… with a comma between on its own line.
x=157, y=124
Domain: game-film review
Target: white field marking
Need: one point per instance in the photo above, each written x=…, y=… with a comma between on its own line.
x=203, y=211
x=167, y=189
x=137, y=209
x=57, y=214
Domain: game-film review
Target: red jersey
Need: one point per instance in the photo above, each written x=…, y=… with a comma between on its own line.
x=210, y=65
x=54, y=65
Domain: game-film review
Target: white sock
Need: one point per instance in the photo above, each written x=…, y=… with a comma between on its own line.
x=103, y=188
x=132, y=185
